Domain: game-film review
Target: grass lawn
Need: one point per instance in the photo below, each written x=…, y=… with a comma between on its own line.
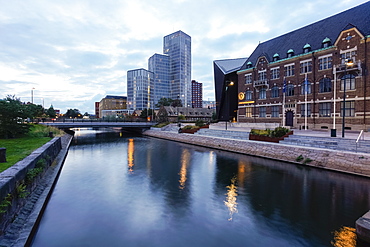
x=19, y=148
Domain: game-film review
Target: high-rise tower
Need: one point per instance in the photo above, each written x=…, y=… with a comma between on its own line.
x=139, y=89
x=160, y=65
x=178, y=48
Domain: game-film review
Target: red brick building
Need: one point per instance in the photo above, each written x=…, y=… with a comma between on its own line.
x=333, y=54
x=196, y=94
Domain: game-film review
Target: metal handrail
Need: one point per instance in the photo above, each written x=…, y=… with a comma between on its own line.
x=358, y=138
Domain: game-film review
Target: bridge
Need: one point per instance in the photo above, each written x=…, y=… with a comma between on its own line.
x=128, y=126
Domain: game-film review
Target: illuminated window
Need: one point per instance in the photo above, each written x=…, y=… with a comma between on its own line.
x=248, y=112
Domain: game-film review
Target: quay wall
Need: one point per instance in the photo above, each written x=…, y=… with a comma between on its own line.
x=343, y=161
x=20, y=180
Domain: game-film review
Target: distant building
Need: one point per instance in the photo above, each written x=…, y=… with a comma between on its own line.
x=209, y=104
x=190, y=114
x=112, y=106
x=97, y=115
x=196, y=94
x=140, y=84
x=168, y=75
x=160, y=65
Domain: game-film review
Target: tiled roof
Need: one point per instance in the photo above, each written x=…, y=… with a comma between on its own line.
x=230, y=65
x=314, y=34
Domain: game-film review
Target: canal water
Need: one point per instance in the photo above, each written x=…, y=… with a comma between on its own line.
x=117, y=190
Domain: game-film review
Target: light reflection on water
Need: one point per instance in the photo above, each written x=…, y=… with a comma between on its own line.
x=117, y=190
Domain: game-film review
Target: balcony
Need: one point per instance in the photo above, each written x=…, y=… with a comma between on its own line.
x=341, y=68
x=261, y=83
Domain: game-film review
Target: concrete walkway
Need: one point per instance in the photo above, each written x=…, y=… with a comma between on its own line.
x=318, y=133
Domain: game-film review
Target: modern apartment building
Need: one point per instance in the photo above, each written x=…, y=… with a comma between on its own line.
x=316, y=76
x=178, y=48
x=196, y=94
x=140, y=84
x=160, y=65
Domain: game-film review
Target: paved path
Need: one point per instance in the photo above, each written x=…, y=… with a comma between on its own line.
x=318, y=133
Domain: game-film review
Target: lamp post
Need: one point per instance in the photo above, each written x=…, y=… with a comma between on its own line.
x=228, y=84
x=32, y=95
x=348, y=62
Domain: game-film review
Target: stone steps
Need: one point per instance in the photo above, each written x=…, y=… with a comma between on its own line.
x=224, y=134
x=323, y=142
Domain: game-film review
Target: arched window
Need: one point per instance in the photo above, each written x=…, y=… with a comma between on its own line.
x=326, y=42
x=325, y=85
x=262, y=93
x=290, y=90
x=350, y=82
x=274, y=92
x=290, y=53
x=248, y=95
x=303, y=88
x=306, y=48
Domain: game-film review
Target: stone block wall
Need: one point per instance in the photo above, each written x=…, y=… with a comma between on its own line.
x=342, y=161
x=15, y=185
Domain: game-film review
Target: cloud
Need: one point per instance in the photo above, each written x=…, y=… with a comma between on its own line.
x=75, y=52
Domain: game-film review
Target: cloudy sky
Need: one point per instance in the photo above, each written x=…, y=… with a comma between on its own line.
x=75, y=52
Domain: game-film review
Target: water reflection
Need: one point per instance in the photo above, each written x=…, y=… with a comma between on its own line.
x=185, y=157
x=230, y=202
x=181, y=195
x=130, y=155
x=345, y=237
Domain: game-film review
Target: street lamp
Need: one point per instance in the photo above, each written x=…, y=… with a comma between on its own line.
x=348, y=62
x=228, y=84
x=32, y=95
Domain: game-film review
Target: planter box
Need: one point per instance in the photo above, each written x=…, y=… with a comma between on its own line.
x=189, y=131
x=267, y=138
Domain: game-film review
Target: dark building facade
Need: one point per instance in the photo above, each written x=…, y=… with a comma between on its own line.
x=196, y=94
x=226, y=87
x=316, y=76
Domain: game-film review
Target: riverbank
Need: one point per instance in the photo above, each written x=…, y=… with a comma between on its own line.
x=342, y=161
x=25, y=222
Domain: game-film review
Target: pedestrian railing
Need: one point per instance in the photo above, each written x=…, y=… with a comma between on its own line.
x=359, y=138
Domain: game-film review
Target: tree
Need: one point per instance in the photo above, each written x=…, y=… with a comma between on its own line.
x=34, y=111
x=176, y=103
x=164, y=102
x=51, y=112
x=13, y=114
x=73, y=113
x=145, y=113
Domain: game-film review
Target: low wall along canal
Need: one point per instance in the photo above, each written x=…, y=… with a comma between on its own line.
x=342, y=161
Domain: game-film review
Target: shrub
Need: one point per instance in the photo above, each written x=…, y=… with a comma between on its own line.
x=188, y=127
x=160, y=125
x=279, y=132
x=199, y=123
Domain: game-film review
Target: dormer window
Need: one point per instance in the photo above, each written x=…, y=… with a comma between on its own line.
x=249, y=65
x=290, y=53
x=306, y=48
x=275, y=57
x=326, y=42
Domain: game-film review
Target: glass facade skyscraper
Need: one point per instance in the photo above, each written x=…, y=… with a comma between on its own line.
x=140, y=83
x=160, y=65
x=168, y=75
x=178, y=47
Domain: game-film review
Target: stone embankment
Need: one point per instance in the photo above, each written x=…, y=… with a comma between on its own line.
x=24, y=189
x=343, y=161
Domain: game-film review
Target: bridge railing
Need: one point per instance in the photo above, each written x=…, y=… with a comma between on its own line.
x=98, y=120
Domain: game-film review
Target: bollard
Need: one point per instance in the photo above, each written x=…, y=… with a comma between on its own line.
x=2, y=155
x=51, y=134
